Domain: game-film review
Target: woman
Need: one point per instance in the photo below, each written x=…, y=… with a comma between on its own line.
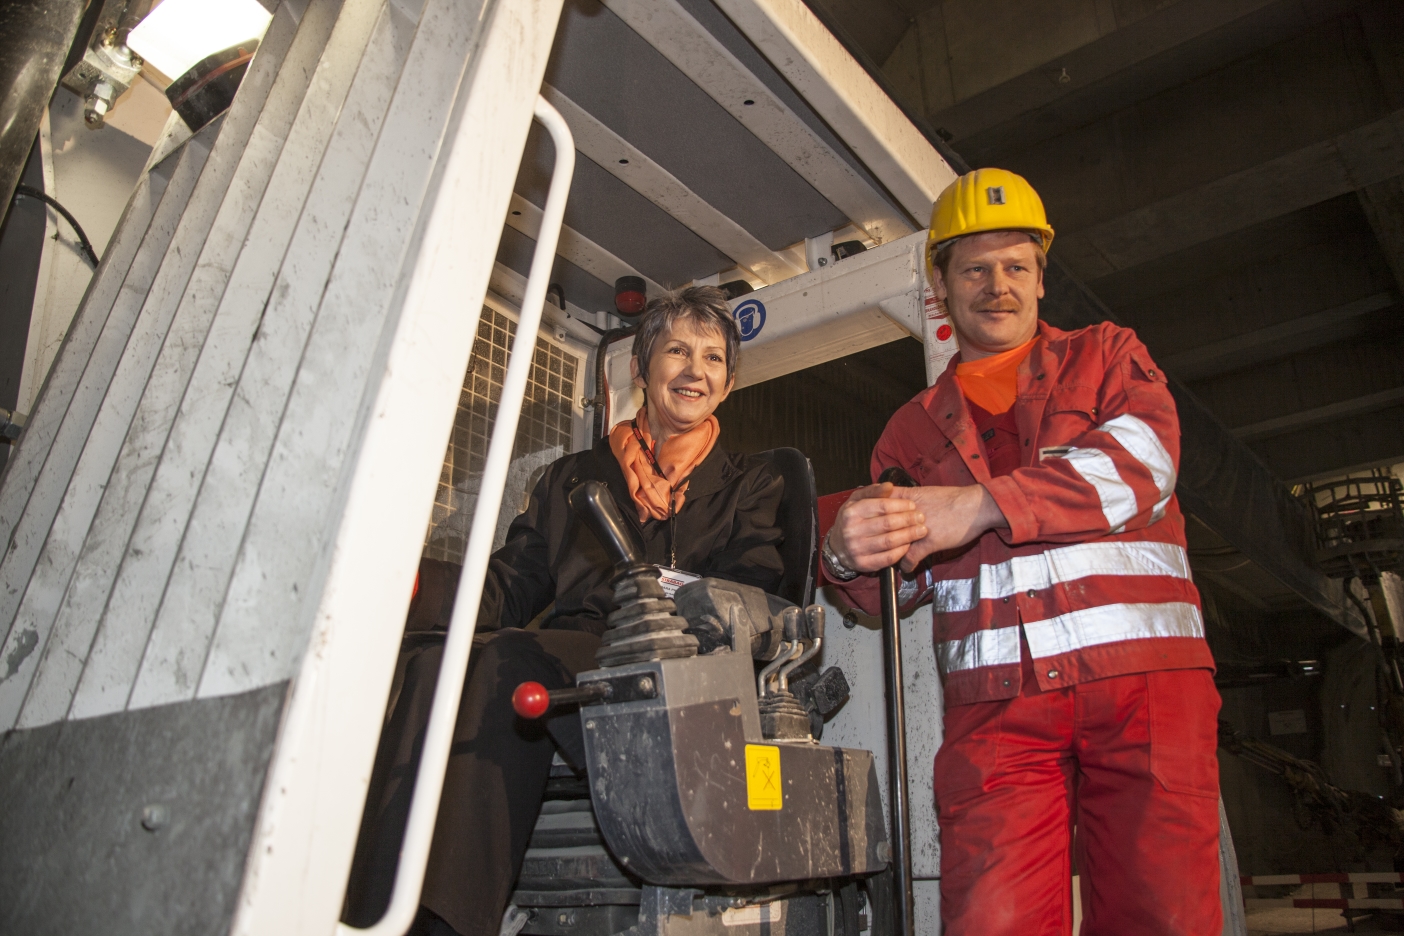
x=691, y=505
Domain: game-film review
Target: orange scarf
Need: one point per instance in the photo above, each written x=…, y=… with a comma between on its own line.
x=992, y=383
x=657, y=474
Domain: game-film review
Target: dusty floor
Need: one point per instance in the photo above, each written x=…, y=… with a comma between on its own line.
x=1284, y=920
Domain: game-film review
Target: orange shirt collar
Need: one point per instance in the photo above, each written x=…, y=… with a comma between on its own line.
x=992, y=383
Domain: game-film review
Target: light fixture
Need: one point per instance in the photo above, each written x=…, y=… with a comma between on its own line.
x=179, y=34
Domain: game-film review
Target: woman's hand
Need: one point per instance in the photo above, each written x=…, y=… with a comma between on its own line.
x=874, y=528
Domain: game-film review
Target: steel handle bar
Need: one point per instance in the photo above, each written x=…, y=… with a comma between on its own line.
x=429, y=783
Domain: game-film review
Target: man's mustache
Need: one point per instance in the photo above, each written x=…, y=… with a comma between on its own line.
x=999, y=307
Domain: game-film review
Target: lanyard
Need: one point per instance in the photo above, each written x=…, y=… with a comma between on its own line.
x=652, y=460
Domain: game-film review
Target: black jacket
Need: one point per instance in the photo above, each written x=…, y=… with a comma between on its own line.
x=725, y=529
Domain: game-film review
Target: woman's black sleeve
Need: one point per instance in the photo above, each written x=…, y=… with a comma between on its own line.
x=520, y=583
x=752, y=553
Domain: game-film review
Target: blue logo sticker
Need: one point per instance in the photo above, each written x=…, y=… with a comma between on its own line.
x=750, y=315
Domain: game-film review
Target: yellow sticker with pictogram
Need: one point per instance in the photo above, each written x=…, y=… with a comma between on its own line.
x=763, y=790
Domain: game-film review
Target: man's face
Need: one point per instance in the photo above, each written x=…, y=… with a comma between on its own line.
x=991, y=291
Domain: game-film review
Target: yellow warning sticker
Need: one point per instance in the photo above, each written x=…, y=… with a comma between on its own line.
x=763, y=790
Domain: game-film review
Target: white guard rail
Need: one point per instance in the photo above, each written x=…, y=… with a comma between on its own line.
x=429, y=783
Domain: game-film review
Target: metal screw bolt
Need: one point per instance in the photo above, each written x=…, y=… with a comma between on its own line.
x=850, y=620
x=155, y=817
x=645, y=684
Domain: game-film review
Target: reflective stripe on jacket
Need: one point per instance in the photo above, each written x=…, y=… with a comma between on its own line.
x=1093, y=564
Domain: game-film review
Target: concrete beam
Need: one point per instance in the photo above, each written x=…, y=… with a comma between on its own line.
x=1160, y=51
x=1319, y=414
x=1361, y=157
x=1383, y=203
x=1338, y=447
x=1264, y=344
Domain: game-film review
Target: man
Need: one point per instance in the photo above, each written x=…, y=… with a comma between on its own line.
x=1078, y=686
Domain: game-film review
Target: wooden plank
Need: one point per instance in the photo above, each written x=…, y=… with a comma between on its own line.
x=282, y=501
x=150, y=391
x=23, y=577
x=259, y=331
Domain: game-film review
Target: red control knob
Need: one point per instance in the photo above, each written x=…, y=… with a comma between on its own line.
x=531, y=700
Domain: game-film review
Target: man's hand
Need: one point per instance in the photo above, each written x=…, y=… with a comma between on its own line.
x=874, y=528
x=958, y=515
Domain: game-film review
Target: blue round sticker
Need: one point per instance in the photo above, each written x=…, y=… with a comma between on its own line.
x=750, y=315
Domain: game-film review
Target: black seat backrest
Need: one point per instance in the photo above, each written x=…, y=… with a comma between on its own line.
x=799, y=520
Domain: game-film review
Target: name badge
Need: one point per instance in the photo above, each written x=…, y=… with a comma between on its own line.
x=673, y=579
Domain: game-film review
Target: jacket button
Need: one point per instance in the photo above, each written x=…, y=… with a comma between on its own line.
x=1032, y=593
x=1039, y=377
x=1052, y=674
x=949, y=415
x=1006, y=682
x=974, y=457
x=1006, y=599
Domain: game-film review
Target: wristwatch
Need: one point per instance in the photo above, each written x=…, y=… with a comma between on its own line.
x=836, y=569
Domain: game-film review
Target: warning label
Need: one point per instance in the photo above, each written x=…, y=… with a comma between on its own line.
x=763, y=790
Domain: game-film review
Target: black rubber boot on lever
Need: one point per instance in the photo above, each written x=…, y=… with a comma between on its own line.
x=897, y=736
x=644, y=625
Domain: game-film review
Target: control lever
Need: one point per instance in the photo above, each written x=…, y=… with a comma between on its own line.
x=790, y=648
x=531, y=700
x=814, y=617
x=593, y=504
x=643, y=625
x=897, y=734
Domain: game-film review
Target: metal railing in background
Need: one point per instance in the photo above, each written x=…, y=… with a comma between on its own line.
x=429, y=782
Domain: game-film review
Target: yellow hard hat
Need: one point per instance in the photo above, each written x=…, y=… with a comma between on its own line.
x=986, y=200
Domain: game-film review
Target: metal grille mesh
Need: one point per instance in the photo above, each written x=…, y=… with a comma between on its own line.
x=543, y=433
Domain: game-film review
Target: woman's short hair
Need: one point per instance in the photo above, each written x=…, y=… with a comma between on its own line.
x=705, y=306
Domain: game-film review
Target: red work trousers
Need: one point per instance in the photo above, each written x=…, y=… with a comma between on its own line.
x=1128, y=762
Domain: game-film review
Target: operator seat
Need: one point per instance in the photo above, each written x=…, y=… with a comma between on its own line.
x=798, y=519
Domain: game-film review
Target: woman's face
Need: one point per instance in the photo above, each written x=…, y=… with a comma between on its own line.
x=686, y=378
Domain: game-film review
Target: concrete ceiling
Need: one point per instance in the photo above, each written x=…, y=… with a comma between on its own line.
x=1226, y=175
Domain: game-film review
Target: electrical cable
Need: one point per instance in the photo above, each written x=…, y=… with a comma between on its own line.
x=85, y=245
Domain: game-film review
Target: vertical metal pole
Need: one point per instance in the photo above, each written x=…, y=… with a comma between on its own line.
x=897, y=755
x=897, y=738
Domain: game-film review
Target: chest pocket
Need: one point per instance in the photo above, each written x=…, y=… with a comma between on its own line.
x=1071, y=411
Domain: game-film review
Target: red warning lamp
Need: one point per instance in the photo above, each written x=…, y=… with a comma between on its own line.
x=629, y=295
x=531, y=700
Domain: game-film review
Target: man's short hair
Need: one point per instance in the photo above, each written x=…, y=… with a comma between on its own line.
x=941, y=256
x=705, y=306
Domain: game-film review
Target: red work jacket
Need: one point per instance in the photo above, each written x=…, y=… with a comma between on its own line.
x=1093, y=565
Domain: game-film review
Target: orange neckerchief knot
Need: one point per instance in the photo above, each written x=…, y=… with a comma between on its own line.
x=657, y=475
x=992, y=383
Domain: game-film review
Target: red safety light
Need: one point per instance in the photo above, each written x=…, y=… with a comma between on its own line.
x=531, y=700
x=629, y=295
